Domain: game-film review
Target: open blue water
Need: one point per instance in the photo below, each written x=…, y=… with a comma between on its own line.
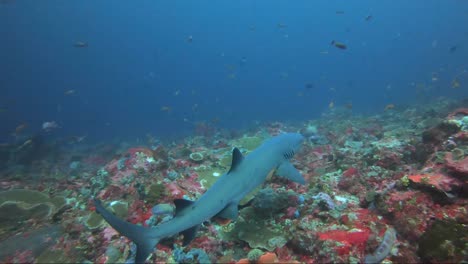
x=236, y=62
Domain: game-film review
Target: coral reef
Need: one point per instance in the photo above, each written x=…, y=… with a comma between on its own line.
x=368, y=178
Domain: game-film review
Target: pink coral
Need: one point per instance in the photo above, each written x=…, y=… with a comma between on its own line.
x=108, y=233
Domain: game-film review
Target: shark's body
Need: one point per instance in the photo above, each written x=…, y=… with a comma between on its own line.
x=221, y=200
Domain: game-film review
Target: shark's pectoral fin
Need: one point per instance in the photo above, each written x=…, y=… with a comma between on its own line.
x=287, y=170
x=180, y=204
x=189, y=234
x=229, y=212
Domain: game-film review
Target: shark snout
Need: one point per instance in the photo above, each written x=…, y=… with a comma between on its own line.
x=297, y=140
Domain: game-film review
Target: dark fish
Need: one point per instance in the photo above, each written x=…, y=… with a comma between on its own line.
x=453, y=49
x=338, y=45
x=369, y=17
x=309, y=86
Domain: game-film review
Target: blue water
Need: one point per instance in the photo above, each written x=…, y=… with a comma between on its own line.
x=247, y=61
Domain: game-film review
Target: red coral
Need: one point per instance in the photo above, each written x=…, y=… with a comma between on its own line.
x=146, y=151
x=357, y=238
x=139, y=212
x=437, y=181
x=459, y=167
x=350, y=172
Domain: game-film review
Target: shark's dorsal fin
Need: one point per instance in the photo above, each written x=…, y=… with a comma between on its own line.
x=180, y=204
x=189, y=234
x=237, y=158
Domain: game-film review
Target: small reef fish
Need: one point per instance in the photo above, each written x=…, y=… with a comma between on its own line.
x=80, y=44
x=20, y=128
x=49, y=126
x=281, y=25
x=339, y=12
x=76, y=139
x=190, y=39
x=369, y=17
x=339, y=45
x=166, y=109
x=69, y=92
x=389, y=107
x=331, y=105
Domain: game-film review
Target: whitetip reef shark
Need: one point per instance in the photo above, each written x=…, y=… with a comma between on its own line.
x=221, y=200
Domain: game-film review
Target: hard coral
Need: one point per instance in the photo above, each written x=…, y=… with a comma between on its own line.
x=459, y=167
x=439, y=133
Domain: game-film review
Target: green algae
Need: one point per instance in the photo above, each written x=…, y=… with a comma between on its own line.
x=19, y=205
x=248, y=143
x=458, y=154
x=207, y=175
x=25, y=196
x=444, y=241
x=94, y=221
x=13, y=214
x=254, y=230
x=225, y=161
x=155, y=193
x=54, y=256
x=254, y=254
x=119, y=208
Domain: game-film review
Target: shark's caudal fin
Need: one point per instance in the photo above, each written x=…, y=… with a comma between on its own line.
x=287, y=170
x=138, y=234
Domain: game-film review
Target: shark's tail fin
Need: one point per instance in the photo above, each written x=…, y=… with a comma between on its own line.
x=142, y=236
